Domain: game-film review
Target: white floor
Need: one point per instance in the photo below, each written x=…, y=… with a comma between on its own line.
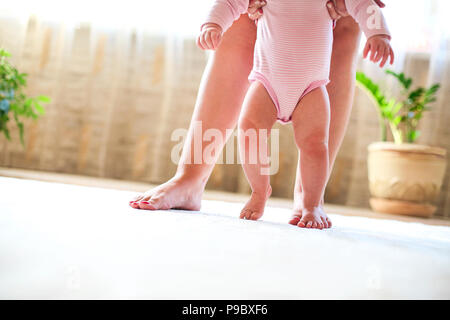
x=65, y=241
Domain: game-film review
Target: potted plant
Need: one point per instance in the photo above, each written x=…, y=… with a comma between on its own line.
x=404, y=178
x=14, y=103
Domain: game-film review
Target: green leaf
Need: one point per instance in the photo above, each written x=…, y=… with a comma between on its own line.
x=413, y=135
x=21, y=132
x=44, y=99
x=40, y=109
x=433, y=89
x=378, y=98
x=406, y=82
x=4, y=53
x=373, y=89
x=416, y=94
x=21, y=106
x=6, y=132
x=397, y=120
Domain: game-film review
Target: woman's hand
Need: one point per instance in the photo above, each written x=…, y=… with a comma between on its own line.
x=337, y=9
x=255, y=10
x=209, y=37
x=380, y=48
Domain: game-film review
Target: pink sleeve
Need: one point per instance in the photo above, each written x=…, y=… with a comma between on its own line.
x=369, y=17
x=224, y=12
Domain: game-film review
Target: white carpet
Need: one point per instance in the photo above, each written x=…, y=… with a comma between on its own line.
x=64, y=241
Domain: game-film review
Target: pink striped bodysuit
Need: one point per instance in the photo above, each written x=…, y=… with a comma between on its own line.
x=294, y=42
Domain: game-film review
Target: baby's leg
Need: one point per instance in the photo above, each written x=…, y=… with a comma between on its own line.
x=311, y=122
x=255, y=122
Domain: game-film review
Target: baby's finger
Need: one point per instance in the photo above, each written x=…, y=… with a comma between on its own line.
x=391, y=53
x=332, y=11
x=199, y=44
x=385, y=57
x=374, y=52
x=216, y=40
x=256, y=5
x=203, y=41
x=255, y=16
x=209, y=41
x=380, y=3
x=251, y=11
x=366, y=50
x=380, y=53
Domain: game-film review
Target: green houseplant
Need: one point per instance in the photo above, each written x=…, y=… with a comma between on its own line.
x=404, y=178
x=14, y=103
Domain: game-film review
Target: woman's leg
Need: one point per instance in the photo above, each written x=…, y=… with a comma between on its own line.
x=341, y=92
x=222, y=91
x=311, y=123
x=257, y=119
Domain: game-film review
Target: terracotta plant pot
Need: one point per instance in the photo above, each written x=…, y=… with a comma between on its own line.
x=405, y=179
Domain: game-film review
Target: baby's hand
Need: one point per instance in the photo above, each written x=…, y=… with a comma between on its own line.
x=255, y=10
x=380, y=46
x=209, y=37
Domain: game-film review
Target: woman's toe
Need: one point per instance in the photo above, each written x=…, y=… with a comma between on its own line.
x=294, y=220
x=152, y=204
x=134, y=204
x=302, y=223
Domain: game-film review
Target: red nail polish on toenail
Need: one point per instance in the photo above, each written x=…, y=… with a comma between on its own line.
x=145, y=202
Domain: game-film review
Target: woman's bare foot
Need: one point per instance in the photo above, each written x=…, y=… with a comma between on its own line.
x=254, y=208
x=177, y=193
x=315, y=218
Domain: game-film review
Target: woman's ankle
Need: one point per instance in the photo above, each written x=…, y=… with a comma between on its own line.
x=191, y=178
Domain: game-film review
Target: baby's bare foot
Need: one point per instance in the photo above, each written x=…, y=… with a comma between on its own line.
x=254, y=208
x=177, y=193
x=315, y=218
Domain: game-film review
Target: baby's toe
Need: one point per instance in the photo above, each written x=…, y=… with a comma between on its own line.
x=245, y=214
x=255, y=215
x=324, y=222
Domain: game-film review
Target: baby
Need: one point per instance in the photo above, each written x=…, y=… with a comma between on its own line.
x=291, y=69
